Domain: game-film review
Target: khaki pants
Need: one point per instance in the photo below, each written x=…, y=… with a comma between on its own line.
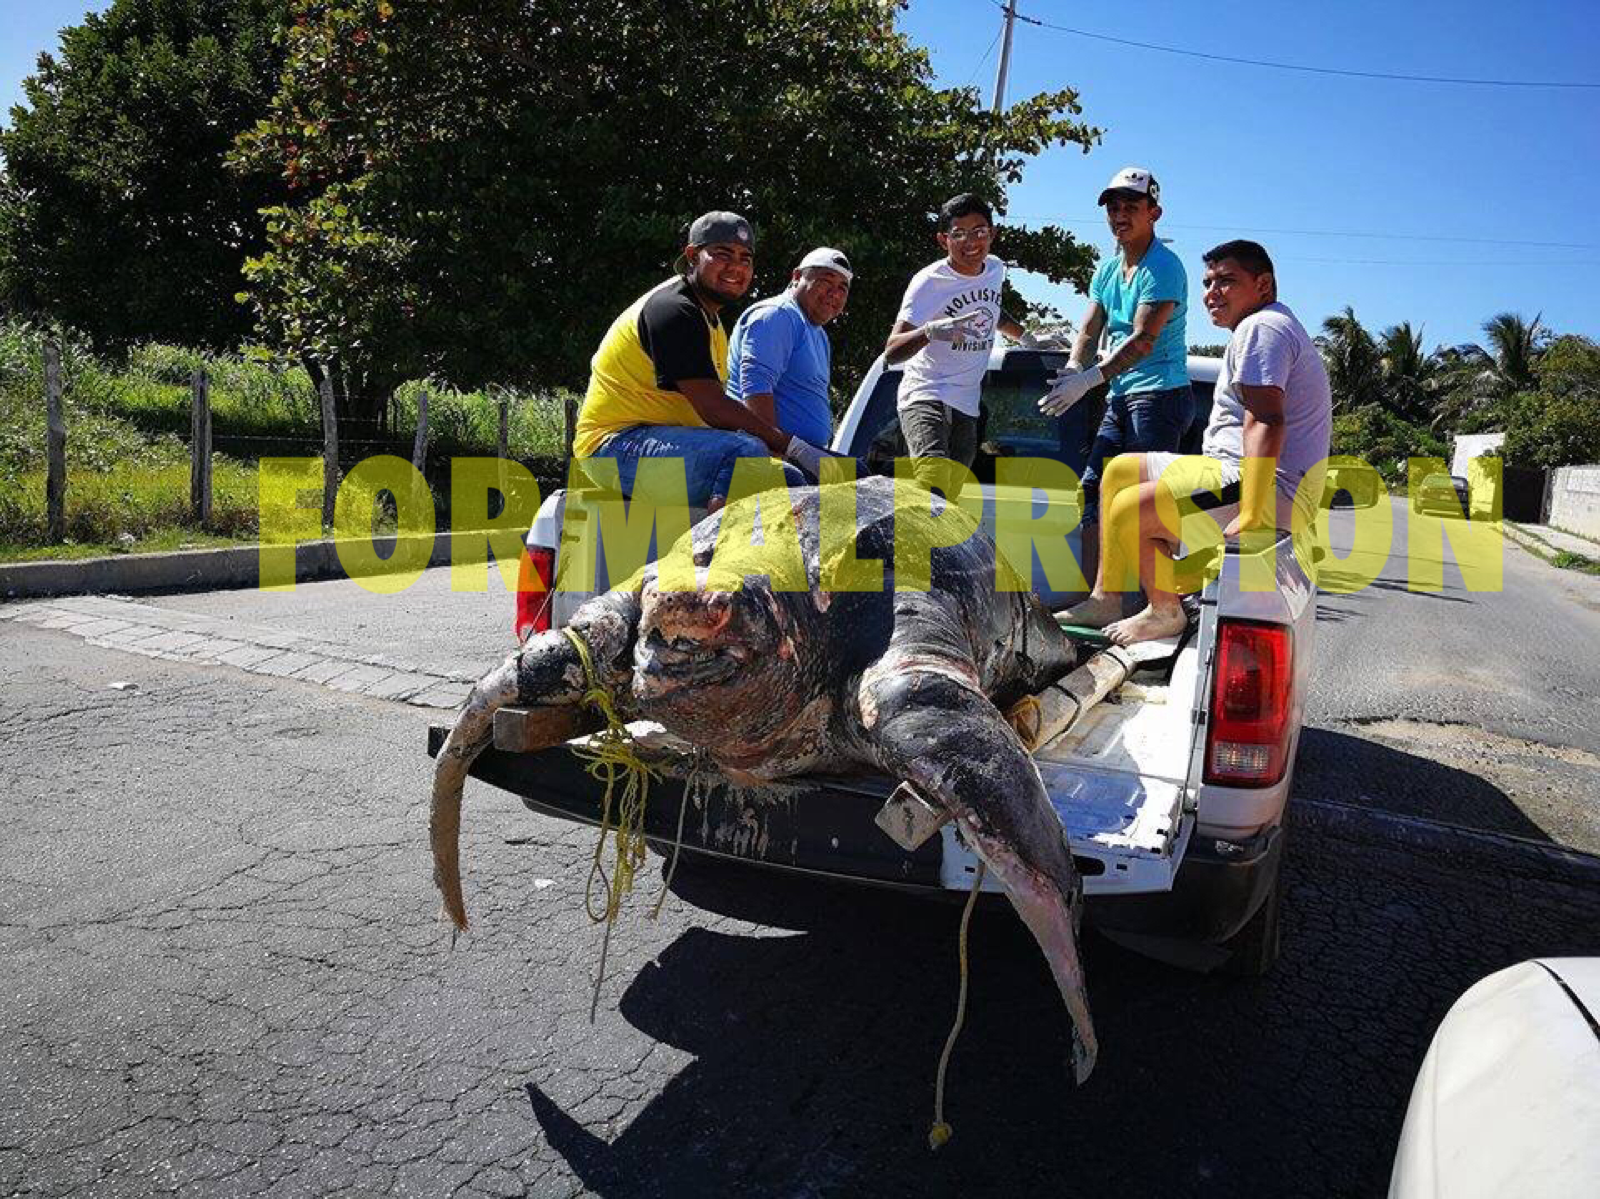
x=937, y=434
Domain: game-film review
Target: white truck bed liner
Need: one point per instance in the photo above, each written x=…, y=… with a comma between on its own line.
x=1119, y=781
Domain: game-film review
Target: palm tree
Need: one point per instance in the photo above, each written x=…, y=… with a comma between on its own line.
x=1517, y=345
x=1408, y=371
x=1465, y=384
x=1355, y=366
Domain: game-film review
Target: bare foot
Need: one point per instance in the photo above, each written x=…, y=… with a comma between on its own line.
x=1096, y=612
x=1148, y=625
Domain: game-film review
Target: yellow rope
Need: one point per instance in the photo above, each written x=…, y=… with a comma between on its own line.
x=941, y=1131
x=693, y=788
x=611, y=758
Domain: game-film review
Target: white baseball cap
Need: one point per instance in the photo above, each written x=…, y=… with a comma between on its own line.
x=833, y=260
x=1133, y=179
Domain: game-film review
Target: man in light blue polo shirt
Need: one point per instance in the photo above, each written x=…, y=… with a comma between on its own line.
x=1140, y=299
x=779, y=356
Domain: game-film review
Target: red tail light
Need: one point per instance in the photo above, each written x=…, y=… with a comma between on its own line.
x=1248, y=741
x=533, y=591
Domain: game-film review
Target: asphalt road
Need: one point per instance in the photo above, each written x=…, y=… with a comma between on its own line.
x=1479, y=708
x=223, y=975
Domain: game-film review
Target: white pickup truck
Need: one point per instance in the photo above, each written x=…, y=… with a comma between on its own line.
x=1171, y=791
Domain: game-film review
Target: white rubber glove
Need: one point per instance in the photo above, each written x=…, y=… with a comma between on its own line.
x=806, y=456
x=950, y=328
x=1070, y=386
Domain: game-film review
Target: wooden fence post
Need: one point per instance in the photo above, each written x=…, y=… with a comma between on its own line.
x=55, y=484
x=569, y=421
x=503, y=452
x=419, y=451
x=200, y=447
x=330, y=449
x=419, y=448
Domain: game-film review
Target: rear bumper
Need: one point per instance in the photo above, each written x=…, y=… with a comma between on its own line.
x=829, y=829
x=1219, y=886
x=1440, y=503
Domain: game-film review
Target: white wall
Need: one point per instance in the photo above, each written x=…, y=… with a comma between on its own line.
x=1474, y=445
x=1575, y=500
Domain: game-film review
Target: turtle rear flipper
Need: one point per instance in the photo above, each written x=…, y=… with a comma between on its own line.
x=547, y=672
x=932, y=727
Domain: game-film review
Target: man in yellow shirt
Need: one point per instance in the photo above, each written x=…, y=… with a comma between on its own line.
x=657, y=384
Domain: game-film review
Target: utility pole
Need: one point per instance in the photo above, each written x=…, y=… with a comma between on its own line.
x=1005, y=58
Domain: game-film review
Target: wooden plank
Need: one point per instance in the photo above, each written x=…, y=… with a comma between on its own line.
x=55, y=484
x=909, y=818
x=200, y=447
x=527, y=730
x=330, y=448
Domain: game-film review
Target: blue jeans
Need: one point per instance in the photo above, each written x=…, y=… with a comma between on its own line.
x=708, y=456
x=1133, y=424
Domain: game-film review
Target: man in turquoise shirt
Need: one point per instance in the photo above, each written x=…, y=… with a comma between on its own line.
x=1140, y=299
x=779, y=355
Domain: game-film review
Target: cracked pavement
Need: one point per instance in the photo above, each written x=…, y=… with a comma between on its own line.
x=224, y=974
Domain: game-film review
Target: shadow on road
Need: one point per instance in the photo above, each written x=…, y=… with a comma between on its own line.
x=815, y=1052
x=1354, y=770
x=1342, y=582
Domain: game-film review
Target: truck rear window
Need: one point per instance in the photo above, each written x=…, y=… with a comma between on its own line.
x=1011, y=425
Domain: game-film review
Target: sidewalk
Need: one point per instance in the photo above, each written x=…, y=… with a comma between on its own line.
x=1545, y=542
x=137, y=628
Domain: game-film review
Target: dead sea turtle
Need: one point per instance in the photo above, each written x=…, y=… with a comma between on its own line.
x=773, y=683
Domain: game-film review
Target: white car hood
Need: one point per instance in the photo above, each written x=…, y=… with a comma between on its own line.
x=1508, y=1098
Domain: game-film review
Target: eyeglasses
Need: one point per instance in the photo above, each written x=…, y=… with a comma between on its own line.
x=976, y=233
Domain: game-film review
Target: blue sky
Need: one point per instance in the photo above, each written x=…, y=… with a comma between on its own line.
x=1243, y=151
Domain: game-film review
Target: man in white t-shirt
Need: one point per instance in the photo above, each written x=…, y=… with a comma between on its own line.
x=944, y=333
x=1271, y=406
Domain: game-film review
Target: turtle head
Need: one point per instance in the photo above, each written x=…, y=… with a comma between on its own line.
x=718, y=668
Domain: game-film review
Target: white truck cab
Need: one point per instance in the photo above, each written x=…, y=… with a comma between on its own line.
x=1171, y=791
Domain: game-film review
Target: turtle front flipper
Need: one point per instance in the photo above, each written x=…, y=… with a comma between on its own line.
x=547, y=672
x=931, y=726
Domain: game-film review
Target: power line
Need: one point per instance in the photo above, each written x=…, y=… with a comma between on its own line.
x=1475, y=241
x=1414, y=262
x=1309, y=70
x=982, y=60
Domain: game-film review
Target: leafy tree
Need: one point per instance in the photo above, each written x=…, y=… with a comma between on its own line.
x=117, y=212
x=1409, y=372
x=1517, y=345
x=477, y=187
x=1211, y=350
x=1464, y=390
x=1557, y=422
x=1355, y=364
x=1383, y=440
x=1475, y=388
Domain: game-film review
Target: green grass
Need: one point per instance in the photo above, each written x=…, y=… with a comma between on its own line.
x=1568, y=560
x=128, y=424
x=139, y=499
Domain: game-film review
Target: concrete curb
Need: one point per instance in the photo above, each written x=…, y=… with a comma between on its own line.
x=198, y=570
